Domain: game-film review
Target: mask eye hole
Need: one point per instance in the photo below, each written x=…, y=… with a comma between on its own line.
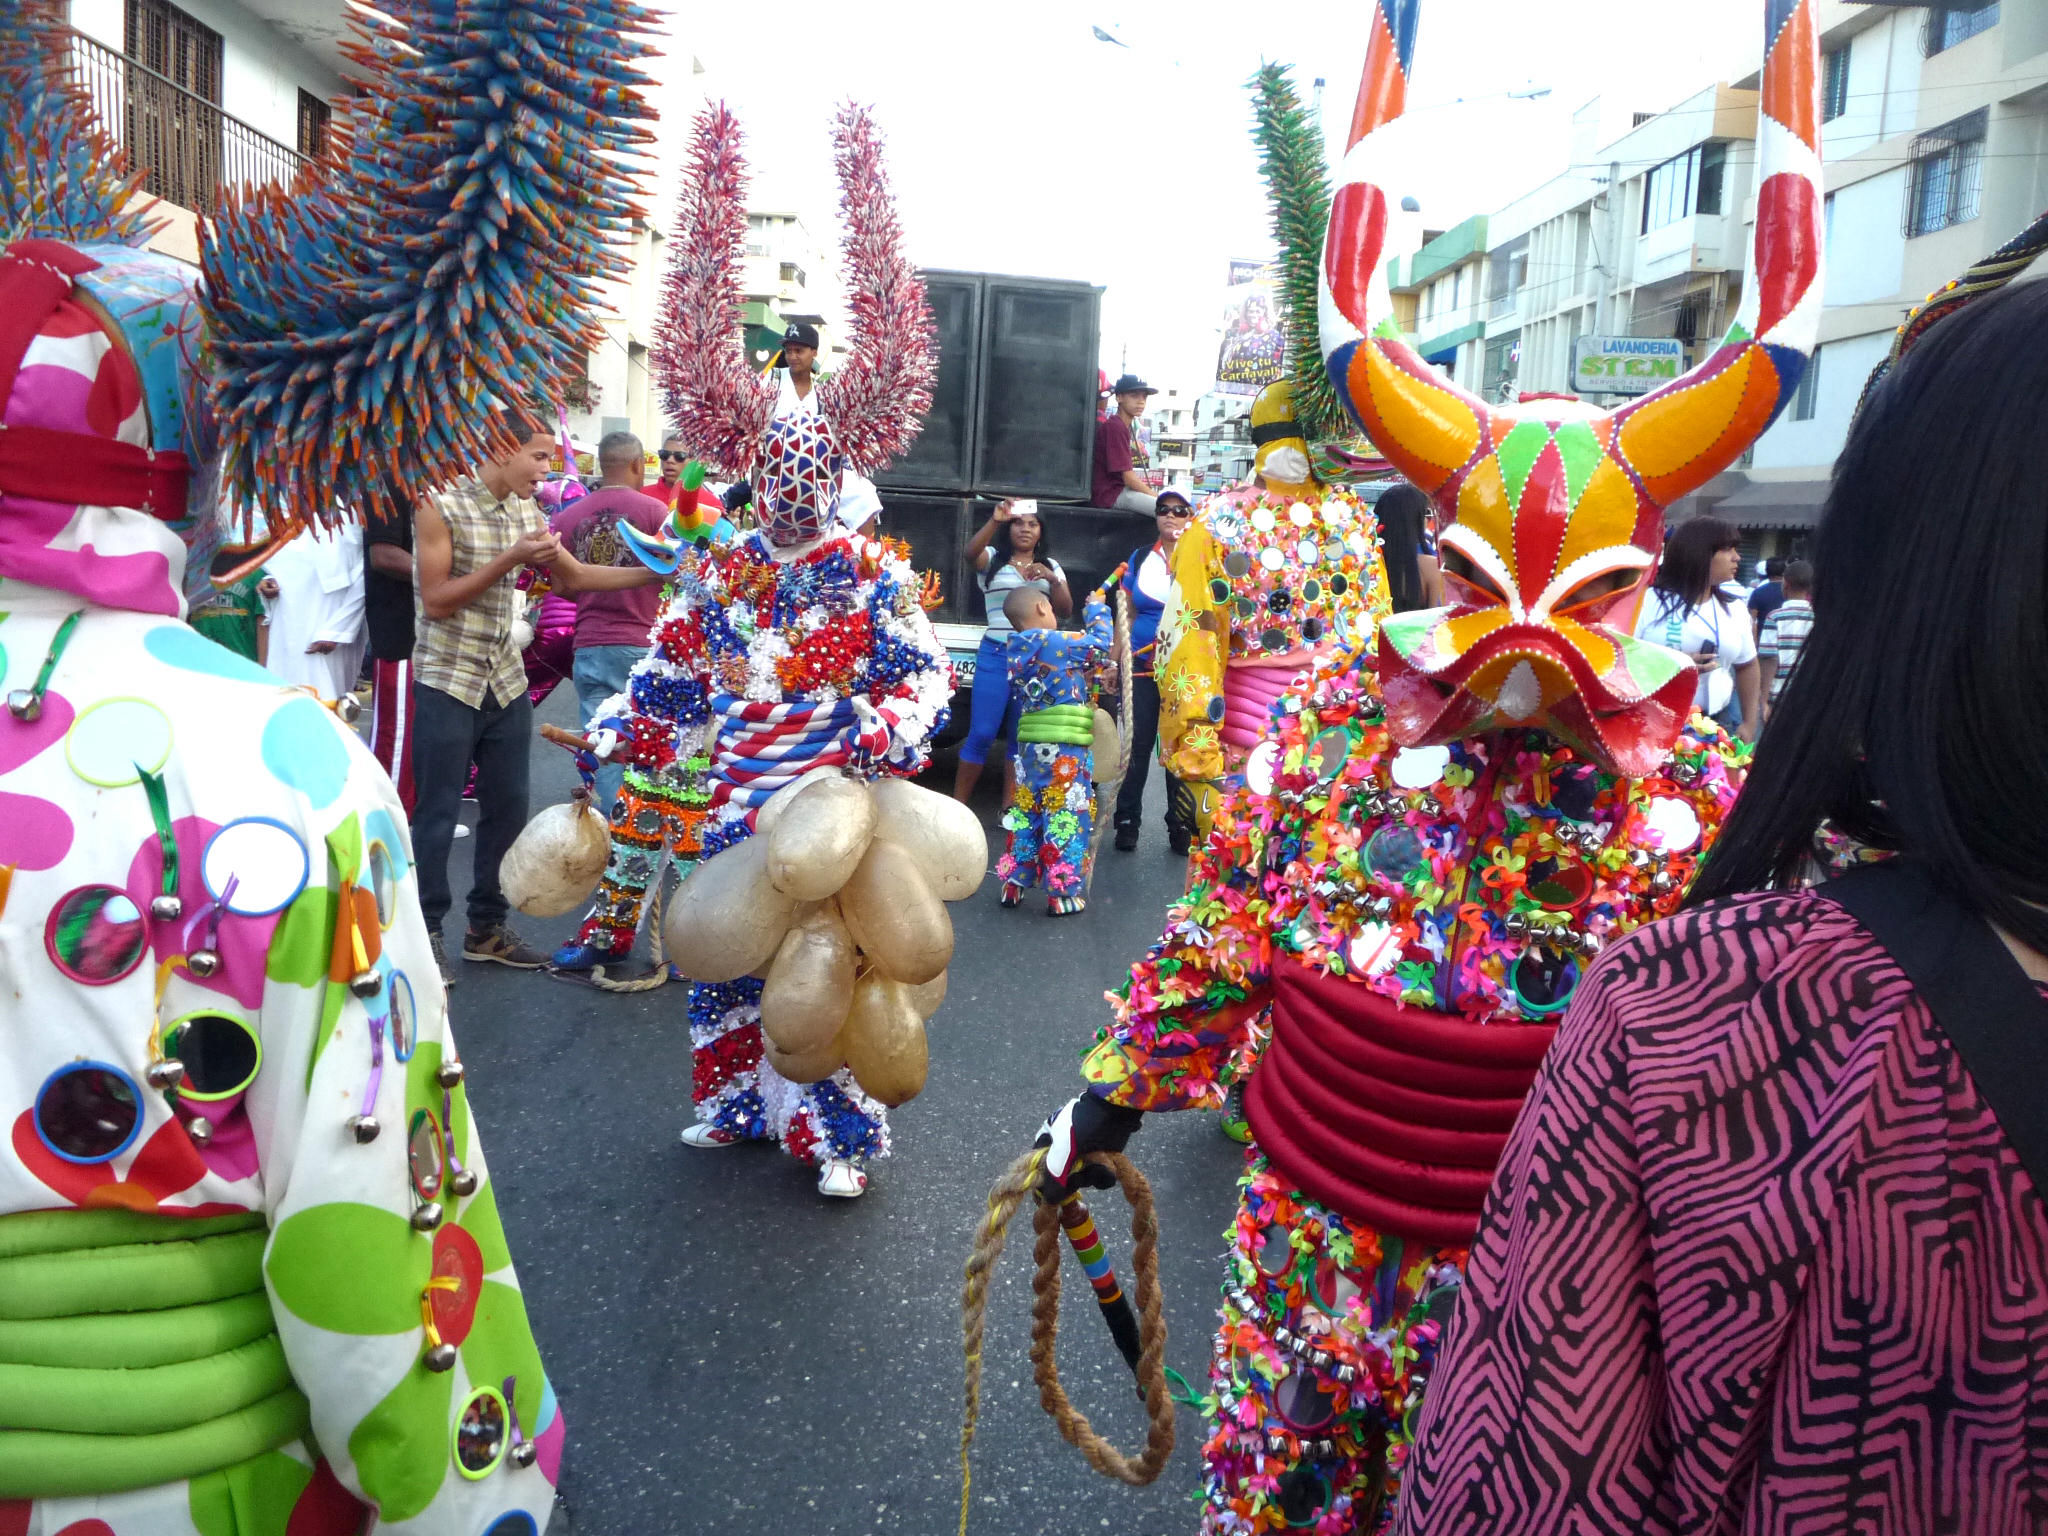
x=1460, y=568
x=1595, y=588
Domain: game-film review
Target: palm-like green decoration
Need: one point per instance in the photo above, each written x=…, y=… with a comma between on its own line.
x=1291, y=159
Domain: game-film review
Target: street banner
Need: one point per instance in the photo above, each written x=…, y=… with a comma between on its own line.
x=1254, y=348
x=1625, y=365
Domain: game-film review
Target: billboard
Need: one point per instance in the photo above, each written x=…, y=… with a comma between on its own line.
x=1254, y=349
x=1625, y=365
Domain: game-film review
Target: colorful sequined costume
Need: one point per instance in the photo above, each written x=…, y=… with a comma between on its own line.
x=253, y=1278
x=1051, y=818
x=1406, y=895
x=796, y=646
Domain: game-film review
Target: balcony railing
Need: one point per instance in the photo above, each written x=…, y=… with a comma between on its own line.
x=188, y=147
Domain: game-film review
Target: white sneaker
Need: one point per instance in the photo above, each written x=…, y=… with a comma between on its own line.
x=461, y=830
x=841, y=1180
x=698, y=1134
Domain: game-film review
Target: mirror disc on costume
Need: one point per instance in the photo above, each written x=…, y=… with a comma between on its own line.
x=1275, y=1253
x=1274, y=640
x=1331, y=748
x=1311, y=630
x=1219, y=591
x=1272, y=559
x=1237, y=563
x=1334, y=551
x=1544, y=981
x=1333, y=1289
x=1563, y=888
x=1262, y=768
x=96, y=935
x=1421, y=767
x=1307, y=552
x=88, y=1112
x=264, y=858
x=1263, y=519
x=1339, y=584
x=115, y=737
x=1374, y=950
x=1305, y=1497
x=1304, y=1400
x=1672, y=824
x=1247, y=607
x=384, y=883
x=1279, y=600
x=1394, y=853
x=425, y=1154
x=1311, y=590
x=1301, y=514
x=404, y=1016
x=221, y=1055
x=480, y=1433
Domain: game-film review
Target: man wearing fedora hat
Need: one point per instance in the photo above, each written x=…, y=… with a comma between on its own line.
x=1120, y=456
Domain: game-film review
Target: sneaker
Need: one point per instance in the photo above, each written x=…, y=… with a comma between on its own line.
x=504, y=947
x=1179, y=840
x=1126, y=839
x=461, y=830
x=578, y=956
x=1065, y=906
x=839, y=1179
x=698, y=1134
x=1235, y=1126
x=448, y=976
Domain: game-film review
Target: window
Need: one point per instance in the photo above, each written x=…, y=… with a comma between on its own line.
x=1834, y=84
x=1691, y=183
x=1947, y=175
x=173, y=103
x=792, y=273
x=1948, y=25
x=1804, y=397
x=313, y=122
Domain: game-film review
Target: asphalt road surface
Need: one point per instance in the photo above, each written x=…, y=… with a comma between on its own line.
x=734, y=1352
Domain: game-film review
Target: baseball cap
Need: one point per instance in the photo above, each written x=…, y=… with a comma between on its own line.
x=801, y=335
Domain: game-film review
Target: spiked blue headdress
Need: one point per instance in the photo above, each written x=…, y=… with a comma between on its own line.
x=441, y=262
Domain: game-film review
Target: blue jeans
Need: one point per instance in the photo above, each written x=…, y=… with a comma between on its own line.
x=993, y=713
x=600, y=671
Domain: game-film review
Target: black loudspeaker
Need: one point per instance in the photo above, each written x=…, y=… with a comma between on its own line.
x=942, y=458
x=1036, y=405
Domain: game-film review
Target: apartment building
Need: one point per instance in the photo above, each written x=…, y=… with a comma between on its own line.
x=1447, y=280
x=790, y=276
x=1936, y=152
x=209, y=93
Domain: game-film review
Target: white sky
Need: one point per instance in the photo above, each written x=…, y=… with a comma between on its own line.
x=1019, y=143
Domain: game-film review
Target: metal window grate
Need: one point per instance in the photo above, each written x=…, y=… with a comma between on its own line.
x=1834, y=85
x=314, y=121
x=1948, y=25
x=1947, y=180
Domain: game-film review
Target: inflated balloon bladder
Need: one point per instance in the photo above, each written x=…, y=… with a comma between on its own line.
x=894, y=915
x=819, y=838
x=809, y=988
x=941, y=834
x=926, y=996
x=811, y=1067
x=553, y=866
x=728, y=918
x=884, y=1040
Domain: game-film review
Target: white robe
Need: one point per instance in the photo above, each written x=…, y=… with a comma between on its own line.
x=320, y=597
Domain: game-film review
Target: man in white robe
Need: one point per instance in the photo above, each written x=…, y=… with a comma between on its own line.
x=317, y=633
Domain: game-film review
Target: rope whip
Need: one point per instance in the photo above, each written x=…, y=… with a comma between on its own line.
x=1015, y=1186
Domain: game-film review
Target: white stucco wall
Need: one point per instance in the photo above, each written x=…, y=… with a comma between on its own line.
x=1812, y=445
x=1866, y=246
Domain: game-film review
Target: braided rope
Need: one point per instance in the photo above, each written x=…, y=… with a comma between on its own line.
x=1010, y=1191
x=1104, y=800
x=1986, y=277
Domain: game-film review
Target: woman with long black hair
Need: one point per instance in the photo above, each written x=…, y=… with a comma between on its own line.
x=1012, y=549
x=1768, y=1249
x=1693, y=609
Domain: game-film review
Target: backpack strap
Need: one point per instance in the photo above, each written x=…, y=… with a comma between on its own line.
x=1988, y=1007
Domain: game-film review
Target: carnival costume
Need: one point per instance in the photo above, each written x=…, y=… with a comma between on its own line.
x=253, y=1278
x=1405, y=898
x=1272, y=576
x=1051, y=817
x=796, y=647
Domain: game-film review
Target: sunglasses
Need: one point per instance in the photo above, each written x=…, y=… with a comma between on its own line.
x=664, y=455
x=1172, y=512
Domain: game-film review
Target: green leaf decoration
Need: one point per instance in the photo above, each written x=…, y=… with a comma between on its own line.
x=401, y=1448
x=304, y=939
x=350, y=1268
x=1291, y=159
x=345, y=851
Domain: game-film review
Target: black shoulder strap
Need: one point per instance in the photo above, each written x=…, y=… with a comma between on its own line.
x=1988, y=1007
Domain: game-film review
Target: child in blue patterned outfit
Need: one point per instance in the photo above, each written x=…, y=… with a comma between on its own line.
x=1051, y=819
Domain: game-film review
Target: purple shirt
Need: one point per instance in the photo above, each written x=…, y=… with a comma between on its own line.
x=1759, y=1260
x=589, y=529
x=1112, y=458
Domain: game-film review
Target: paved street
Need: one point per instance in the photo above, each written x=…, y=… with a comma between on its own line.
x=734, y=1352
